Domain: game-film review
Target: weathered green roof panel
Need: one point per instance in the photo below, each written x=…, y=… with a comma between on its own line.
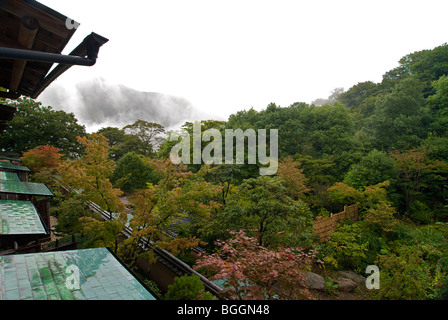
x=3, y=157
x=19, y=187
x=38, y=189
x=49, y=276
x=9, y=176
x=9, y=186
x=19, y=217
x=9, y=165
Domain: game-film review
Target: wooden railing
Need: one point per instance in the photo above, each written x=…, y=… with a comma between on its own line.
x=163, y=256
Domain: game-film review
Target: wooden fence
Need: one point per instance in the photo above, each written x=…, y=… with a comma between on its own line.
x=324, y=227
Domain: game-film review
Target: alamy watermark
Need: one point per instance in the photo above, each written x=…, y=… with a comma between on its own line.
x=373, y=280
x=71, y=24
x=212, y=153
x=72, y=281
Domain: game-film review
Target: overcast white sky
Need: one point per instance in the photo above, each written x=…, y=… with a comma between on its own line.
x=225, y=56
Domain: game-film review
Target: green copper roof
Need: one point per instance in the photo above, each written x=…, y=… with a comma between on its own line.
x=38, y=189
x=9, y=165
x=3, y=157
x=19, y=217
x=50, y=275
x=9, y=176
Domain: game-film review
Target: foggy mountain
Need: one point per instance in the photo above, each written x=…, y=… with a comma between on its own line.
x=331, y=98
x=97, y=104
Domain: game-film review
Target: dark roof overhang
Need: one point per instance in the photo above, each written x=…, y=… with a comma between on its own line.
x=32, y=38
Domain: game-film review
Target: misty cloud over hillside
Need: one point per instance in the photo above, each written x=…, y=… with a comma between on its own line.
x=97, y=103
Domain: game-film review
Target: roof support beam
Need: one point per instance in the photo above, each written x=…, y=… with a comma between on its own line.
x=26, y=36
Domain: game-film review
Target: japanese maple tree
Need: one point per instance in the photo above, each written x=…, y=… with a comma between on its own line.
x=179, y=193
x=296, y=182
x=91, y=173
x=43, y=162
x=42, y=157
x=252, y=272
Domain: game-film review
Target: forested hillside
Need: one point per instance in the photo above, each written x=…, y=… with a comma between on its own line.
x=382, y=146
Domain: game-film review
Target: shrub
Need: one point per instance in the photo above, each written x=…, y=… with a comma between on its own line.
x=187, y=288
x=409, y=274
x=347, y=247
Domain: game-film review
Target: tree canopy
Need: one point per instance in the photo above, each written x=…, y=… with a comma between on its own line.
x=380, y=146
x=35, y=125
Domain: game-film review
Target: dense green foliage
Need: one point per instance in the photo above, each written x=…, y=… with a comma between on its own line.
x=187, y=288
x=133, y=173
x=382, y=146
x=262, y=206
x=34, y=125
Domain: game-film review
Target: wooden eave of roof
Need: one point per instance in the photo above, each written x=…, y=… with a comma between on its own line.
x=27, y=24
